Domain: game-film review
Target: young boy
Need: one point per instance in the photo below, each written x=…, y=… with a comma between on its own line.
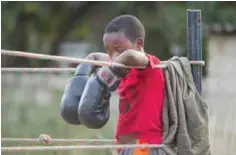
x=141, y=91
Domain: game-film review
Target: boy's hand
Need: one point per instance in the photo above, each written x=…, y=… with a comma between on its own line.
x=98, y=57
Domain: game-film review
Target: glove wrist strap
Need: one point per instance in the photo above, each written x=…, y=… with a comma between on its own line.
x=107, y=77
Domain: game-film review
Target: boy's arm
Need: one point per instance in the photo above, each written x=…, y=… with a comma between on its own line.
x=131, y=58
x=128, y=58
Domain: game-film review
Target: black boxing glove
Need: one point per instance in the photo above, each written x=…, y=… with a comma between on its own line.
x=73, y=92
x=94, y=106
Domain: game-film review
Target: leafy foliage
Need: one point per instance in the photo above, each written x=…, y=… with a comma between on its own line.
x=41, y=26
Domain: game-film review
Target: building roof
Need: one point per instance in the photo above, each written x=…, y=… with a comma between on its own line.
x=219, y=28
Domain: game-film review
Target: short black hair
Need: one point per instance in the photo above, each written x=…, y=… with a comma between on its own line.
x=130, y=25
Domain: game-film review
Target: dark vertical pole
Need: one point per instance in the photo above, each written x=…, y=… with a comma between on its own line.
x=194, y=37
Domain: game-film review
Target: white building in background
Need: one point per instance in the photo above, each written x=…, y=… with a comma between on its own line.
x=220, y=85
x=219, y=88
x=75, y=50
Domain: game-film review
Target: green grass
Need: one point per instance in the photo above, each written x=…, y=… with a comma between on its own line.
x=29, y=120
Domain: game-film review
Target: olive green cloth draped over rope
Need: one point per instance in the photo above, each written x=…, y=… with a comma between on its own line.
x=185, y=113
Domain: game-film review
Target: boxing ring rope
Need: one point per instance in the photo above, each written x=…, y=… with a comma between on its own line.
x=35, y=140
x=72, y=60
x=77, y=147
x=47, y=139
x=45, y=70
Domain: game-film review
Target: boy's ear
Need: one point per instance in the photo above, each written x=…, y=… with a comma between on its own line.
x=139, y=43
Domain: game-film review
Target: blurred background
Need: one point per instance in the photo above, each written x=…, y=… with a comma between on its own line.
x=30, y=101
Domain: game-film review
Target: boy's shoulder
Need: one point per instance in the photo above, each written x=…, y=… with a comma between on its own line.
x=152, y=60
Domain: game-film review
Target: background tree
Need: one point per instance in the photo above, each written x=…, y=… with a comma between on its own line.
x=42, y=26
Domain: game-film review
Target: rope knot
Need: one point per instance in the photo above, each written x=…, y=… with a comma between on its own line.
x=45, y=139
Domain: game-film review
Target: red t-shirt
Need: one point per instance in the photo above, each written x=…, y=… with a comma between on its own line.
x=141, y=98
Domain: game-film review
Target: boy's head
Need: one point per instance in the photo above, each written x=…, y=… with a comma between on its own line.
x=122, y=33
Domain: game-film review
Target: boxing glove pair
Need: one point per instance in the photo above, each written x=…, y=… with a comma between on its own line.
x=86, y=99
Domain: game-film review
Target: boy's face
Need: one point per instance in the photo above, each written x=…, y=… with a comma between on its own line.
x=116, y=43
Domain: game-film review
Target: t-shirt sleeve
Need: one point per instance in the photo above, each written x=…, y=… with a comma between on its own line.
x=152, y=61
